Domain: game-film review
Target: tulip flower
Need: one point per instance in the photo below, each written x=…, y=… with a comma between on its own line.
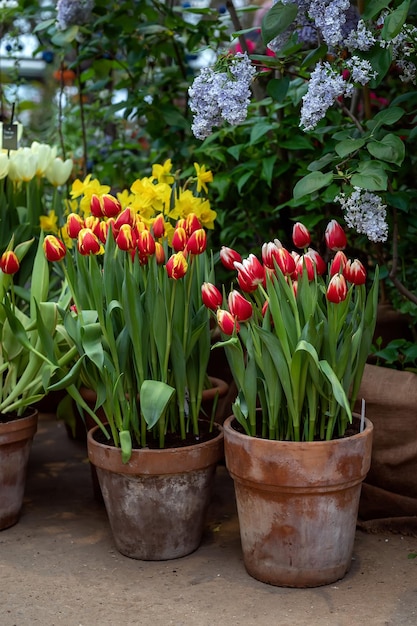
x=179, y=240
x=126, y=239
x=335, y=236
x=211, y=296
x=101, y=230
x=197, y=241
x=88, y=242
x=145, y=243
x=74, y=224
x=317, y=260
x=4, y=165
x=59, y=171
x=355, y=272
x=54, y=248
x=110, y=205
x=159, y=253
x=228, y=257
x=305, y=263
x=227, y=322
x=250, y=273
x=177, y=266
x=337, y=289
x=273, y=254
x=239, y=307
x=300, y=236
x=9, y=263
x=192, y=223
x=96, y=207
x=128, y=216
x=338, y=263
x=158, y=226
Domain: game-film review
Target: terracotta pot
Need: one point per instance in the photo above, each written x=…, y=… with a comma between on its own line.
x=297, y=504
x=157, y=502
x=15, y=443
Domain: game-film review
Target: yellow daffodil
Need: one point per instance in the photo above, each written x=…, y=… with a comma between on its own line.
x=49, y=223
x=163, y=172
x=125, y=198
x=203, y=177
x=88, y=187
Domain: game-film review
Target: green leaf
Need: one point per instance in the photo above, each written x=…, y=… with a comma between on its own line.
x=126, y=445
x=389, y=116
x=373, y=7
x=394, y=21
x=371, y=176
x=92, y=337
x=154, y=398
x=277, y=20
x=390, y=149
x=311, y=183
x=348, y=146
x=277, y=88
x=259, y=130
x=268, y=168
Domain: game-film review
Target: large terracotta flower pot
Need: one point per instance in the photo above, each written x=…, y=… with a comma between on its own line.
x=157, y=502
x=297, y=504
x=16, y=438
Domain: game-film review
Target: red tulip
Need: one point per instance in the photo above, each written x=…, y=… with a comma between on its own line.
x=228, y=257
x=88, y=242
x=197, y=241
x=9, y=263
x=126, y=239
x=337, y=289
x=338, y=263
x=110, y=206
x=179, y=240
x=177, y=266
x=54, y=248
x=317, y=260
x=273, y=253
x=239, y=307
x=250, y=273
x=96, y=207
x=305, y=263
x=335, y=236
x=192, y=223
x=300, y=235
x=74, y=224
x=128, y=216
x=146, y=243
x=355, y=272
x=158, y=226
x=227, y=322
x=159, y=253
x=211, y=296
x=101, y=230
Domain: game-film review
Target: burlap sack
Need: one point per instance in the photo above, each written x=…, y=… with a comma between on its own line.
x=389, y=493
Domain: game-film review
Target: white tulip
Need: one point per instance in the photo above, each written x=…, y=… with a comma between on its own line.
x=59, y=171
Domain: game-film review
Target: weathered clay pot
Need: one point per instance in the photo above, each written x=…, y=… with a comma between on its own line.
x=157, y=502
x=15, y=443
x=297, y=504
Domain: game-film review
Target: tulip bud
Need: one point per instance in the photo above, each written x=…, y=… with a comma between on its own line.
x=158, y=226
x=305, y=263
x=53, y=248
x=355, y=272
x=88, y=242
x=192, y=223
x=197, y=241
x=239, y=307
x=337, y=289
x=317, y=260
x=146, y=243
x=125, y=239
x=300, y=235
x=228, y=257
x=227, y=322
x=9, y=263
x=128, y=216
x=177, y=266
x=338, y=263
x=96, y=206
x=101, y=230
x=110, y=205
x=211, y=296
x=159, y=253
x=335, y=236
x=74, y=224
x=250, y=273
x=179, y=240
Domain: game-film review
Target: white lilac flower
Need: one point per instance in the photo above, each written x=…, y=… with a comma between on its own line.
x=361, y=70
x=408, y=71
x=365, y=212
x=360, y=38
x=71, y=12
x=218, y=96
x=329, y=16
x=324, y=87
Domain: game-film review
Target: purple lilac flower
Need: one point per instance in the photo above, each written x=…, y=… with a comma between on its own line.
x=329, y=17
x=360, y=38
x=70, y=12
x=218, y=96
x=365, y=212
x=324, y=87
x=361, y=70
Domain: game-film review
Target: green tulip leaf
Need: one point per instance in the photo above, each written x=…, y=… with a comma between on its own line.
x=154, y=398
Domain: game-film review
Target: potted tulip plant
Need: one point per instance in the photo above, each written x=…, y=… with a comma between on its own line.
x=33, y=348
x=297, y=344
x=143, y=339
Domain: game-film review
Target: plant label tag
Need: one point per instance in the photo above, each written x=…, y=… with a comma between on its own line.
x=9, y=137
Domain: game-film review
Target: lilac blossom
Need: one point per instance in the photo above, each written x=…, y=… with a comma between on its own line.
x=365, y=212
x=72, y=12
x=361, y=70
x=360, y=38
x=218, y=96
x=329, y=16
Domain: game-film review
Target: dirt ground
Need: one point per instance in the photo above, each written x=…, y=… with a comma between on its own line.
x=59, y=566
